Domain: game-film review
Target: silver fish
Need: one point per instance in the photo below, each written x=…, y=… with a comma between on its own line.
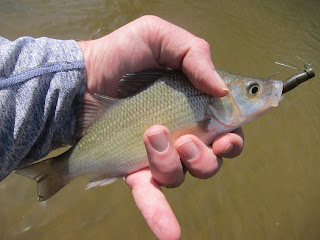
x=113, y=146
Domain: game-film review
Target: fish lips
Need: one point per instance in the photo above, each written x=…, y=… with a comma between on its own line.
x=277, y=93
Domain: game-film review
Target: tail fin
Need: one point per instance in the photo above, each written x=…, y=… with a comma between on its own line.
x=49, y=176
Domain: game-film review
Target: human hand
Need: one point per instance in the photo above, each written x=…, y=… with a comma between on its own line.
x=148, y=43
x=166, y=169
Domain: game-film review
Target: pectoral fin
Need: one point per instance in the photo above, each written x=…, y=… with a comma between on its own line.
x=92, y=108
x=224, y=110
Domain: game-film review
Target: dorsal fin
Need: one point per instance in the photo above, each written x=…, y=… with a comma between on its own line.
x=133, y=83
x=92, y=107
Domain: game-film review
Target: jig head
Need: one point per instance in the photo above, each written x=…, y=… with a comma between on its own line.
x=296, y=79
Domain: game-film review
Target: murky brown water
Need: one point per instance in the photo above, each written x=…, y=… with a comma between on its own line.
x=270, y=192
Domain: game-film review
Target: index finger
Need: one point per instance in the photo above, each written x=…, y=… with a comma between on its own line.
x=179, y=49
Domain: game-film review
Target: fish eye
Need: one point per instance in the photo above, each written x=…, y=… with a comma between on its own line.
x=253, y=89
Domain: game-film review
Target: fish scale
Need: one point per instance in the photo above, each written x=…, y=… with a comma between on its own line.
x=113, y=146
x=141, y=112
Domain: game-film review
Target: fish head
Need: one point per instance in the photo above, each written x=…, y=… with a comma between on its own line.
x=248, y=99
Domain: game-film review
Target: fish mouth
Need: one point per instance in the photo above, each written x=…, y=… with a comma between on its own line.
x=277, y=93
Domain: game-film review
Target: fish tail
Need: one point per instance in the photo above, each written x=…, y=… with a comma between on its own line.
x=49, y=175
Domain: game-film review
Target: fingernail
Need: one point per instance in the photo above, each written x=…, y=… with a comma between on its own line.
x=188, y=150
x=158, y=141
x=228, y=149
x=222, y=84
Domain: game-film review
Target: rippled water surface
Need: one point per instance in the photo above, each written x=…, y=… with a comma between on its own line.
x=270, y=192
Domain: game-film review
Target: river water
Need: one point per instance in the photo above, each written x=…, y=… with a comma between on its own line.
x=271, y=191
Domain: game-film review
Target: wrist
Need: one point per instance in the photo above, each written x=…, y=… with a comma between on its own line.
x=85, y=47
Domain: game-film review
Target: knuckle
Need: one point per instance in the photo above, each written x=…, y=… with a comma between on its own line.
x=175, y=183
x=203, y=44
x=150, y=20
x=208, y=170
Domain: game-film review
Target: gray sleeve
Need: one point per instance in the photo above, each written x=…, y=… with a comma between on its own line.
x=41, y=83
